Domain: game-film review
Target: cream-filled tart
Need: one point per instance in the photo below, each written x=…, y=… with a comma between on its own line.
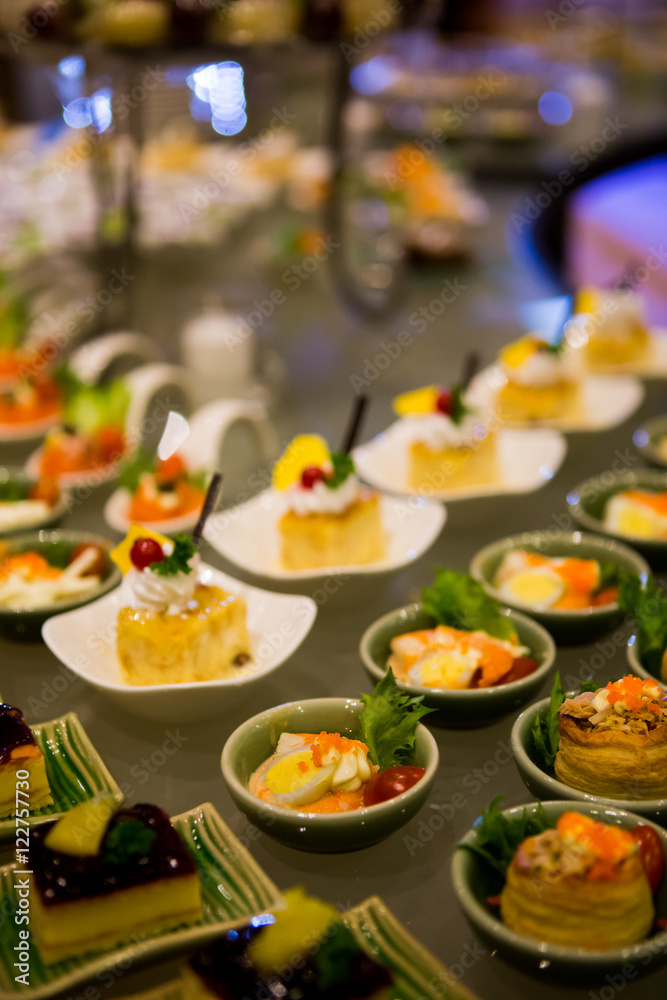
x=23, y=778
x=610, y=326
x=581, y=885
x=102, y=877
x=302, y=951
x=613, y=741
x=175, y=629
x=449, y=437
x=539, y=380
x=328, y=518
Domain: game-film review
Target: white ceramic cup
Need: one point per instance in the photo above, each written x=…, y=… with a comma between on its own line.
x=218, y=348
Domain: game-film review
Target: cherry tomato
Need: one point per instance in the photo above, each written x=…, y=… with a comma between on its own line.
x=312, y=475
x=391, y=782
x=652, y=853
x=146, y=551
x=444, y=402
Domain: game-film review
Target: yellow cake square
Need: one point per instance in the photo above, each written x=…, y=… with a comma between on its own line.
x=354, y=537
x=471, y=464
x=537, y=402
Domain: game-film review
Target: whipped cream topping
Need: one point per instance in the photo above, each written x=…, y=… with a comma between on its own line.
x=320, y=499
x=168, y=594
x=438, y=431
x=540, y=368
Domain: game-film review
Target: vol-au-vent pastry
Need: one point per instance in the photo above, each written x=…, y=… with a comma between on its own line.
x=613, y=741
x=582, y=885
x=540, y=382
x=103, y=875
x=175, y=629
x=610, y=325
x=448, y=435
x=302, y=952
x=19, y=754
x=329, y=519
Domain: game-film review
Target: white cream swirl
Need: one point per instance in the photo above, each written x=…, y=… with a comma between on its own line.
x=168, y=594
x=541, y=368
x=320, y=499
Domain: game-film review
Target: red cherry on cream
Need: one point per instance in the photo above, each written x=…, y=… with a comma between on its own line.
x=310, y=476
x=444, y=402
x=144, y=552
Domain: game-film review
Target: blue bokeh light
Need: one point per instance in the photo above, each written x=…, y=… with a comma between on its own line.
x=555, y=108
x=77, y=113
x=72, y=67
x=374, y=76
x=219, y=96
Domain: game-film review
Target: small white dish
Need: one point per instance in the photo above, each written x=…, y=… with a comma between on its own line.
x=605, y=401
x=247, y=535
x=85, y=641
x=527, y=458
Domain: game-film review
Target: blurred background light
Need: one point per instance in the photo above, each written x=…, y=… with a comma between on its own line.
x=218, y=95
x=555, y=108
x=374, y=76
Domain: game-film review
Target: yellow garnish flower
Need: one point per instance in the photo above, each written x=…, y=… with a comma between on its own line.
x=304, y=451
x=518, y=352
x=418, y=401
x=121, y=554
x=299, y=928
x=588, y=300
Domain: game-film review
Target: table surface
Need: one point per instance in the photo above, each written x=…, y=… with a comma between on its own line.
x=322, y=347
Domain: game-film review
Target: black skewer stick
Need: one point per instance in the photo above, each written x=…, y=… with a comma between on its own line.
x=471, y=364
x=354, y=424
x=212, y=495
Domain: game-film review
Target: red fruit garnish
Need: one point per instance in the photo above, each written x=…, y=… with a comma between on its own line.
x=652, y=853
x=170, y=469
x=310, y=476
x=391, y=782
x=444, y=402
x=110, y=441
x=146, y=551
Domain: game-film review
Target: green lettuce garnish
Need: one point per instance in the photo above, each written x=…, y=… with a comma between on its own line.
x=546, y=738
x=89, y=407
x=389, y=721
x=499, y=836
x=177, y=562
x=14, y=319
x=130, y=475
x=647, y=604
x=459, y=601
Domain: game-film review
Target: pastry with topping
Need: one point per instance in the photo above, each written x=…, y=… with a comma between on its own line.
x=103, y=876
x=19, y=753
x=333, y=773
x=304, y=950
x=449, y=436
x=473, y=644
x=610, y=326
x=539, y=381
x=161, y=489
x=329, y=519
x=613, y=741
x=556, y=583
x=175, y=628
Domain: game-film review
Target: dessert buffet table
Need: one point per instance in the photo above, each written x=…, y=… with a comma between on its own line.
x=177, y=765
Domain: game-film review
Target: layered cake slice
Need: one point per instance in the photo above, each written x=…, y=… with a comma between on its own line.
x=22, y=761
x=328, y=519
x=103, y=877
x=304, y=951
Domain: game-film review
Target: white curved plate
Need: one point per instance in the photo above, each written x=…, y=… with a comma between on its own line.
x=247, y=535
x=28, y=432
x=72, y=480
x=605, y=401
x=115, y=514
x=527, y=459
x=85, y=641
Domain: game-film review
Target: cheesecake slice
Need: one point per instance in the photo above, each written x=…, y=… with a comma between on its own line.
x=102, y=878
x=353, y=537
x=22, y=761
x=205, y=641
x=305, y=951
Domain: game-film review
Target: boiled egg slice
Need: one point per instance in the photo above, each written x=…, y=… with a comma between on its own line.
x=294, y=780
x=626, y=516
x=447, y=668
x=538, y=587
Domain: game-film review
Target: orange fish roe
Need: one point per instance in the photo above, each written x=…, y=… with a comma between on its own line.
x=654, y=501
x=30, y=565
x=303, y=767
x=635, y=692
x=609, y=845
x=581, y=575
x=325, y=742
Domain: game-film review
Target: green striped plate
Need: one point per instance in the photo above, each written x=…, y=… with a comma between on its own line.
x=417, y=974
x=74, y=768
x=234, y=888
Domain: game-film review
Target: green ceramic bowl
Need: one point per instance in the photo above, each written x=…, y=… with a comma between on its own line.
x=636, y=664
x=587, y=502
x=474, y=707
x=54, y=516
x=28, y=624
x=255, y=740
x=543, y=783
x=647, y=439
x=565, y=626
x=473, y=882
